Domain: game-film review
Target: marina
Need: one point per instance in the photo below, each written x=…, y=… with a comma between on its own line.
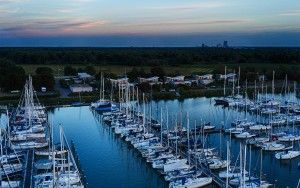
x=275, y=171
x=198, y=142
x=149, y=94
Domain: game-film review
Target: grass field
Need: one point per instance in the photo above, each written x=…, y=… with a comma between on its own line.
x=58, y=70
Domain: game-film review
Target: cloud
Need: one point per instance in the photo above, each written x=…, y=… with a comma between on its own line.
x=65, y=11
x=51, y=26
x=8, y=10
x=211, y=22
x=5, y=2
x=290, y=13
x=189, y=7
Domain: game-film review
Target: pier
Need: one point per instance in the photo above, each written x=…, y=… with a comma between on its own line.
x=182, y=152
x=28, y=169
x=205, y=170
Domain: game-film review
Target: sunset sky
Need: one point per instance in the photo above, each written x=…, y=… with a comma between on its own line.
x=149, y=22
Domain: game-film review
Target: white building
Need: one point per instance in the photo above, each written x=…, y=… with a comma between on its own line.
x=227, y=76
x=205, y=79
x=151, y=80
x=174, y=79
x=76, y=88
x=120, y=82
x=84, y=76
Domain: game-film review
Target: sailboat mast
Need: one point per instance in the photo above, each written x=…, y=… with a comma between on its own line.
x=225, y=76
x=161, y=123
x=188, y=136
x=227, y=166
x=144, y=112
x=100, y=88
x=241, y=164
x=103, y=94
x=285, y=88
x=233, y=83
x=260, y=173
x=239, y=77
x=273, y=84
x=244, y=168
x=168, y=126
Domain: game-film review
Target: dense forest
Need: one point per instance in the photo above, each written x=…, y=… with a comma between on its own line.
x=149, y=56
x=12, y=77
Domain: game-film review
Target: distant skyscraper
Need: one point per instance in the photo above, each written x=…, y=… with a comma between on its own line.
x=225, y=44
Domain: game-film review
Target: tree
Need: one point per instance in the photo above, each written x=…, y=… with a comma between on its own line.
x=90, y=70
x=133, y=74
x=158, y=71
x=144, y=87
x=70, y=71
x=44, y=70
x=12, y=77
x=142, y=72
x=43, y=80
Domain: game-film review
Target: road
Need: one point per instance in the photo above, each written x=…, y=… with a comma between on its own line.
x=64, y=92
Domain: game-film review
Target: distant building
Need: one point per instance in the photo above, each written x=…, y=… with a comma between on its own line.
x=225, y=44
x=262, y=77
x=76, y=88
x=119, y=82
x=227, y=76
x=151, y=80
x=169, y=79
x=84, y=76
x=77, y=81
x=204, y=79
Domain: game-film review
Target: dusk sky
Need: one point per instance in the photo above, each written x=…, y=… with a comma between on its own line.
x=149, y=22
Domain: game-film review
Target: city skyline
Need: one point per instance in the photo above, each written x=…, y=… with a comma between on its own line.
x=149, y=23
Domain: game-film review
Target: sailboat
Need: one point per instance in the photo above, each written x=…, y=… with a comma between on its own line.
x=64, y=174
x=28, y=127
x=102, y=104
x=191, y=182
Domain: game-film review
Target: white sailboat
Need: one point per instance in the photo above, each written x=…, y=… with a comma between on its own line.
x=191, y=182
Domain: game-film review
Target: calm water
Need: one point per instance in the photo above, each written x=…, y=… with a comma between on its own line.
x=108, y=161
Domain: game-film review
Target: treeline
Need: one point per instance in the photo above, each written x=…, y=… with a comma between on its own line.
x=150, y=56
x=12, y=77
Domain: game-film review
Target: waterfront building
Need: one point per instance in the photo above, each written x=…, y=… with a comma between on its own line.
x=119, y=82
x=154, y=80
x=84, y=76
x=76, y=88
x=204, y=79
